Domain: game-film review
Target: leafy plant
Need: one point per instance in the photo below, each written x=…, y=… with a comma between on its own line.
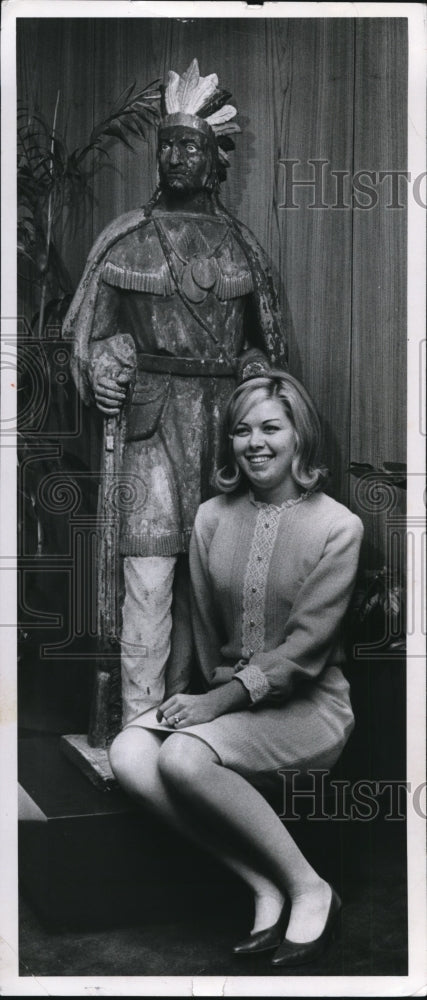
x=55, y=184
x=378, y=606
x=54, y=193
x=391, y=472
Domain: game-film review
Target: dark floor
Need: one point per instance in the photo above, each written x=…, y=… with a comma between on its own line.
x=195, y=940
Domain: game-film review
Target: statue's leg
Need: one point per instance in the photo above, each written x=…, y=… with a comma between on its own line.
x=180, y=664
x=146, y=631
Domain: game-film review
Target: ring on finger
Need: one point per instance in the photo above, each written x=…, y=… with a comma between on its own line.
x=176, y=720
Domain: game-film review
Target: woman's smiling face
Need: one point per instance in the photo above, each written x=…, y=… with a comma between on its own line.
x=264, y=443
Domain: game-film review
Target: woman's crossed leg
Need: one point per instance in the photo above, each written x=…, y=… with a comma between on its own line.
x=182, y=779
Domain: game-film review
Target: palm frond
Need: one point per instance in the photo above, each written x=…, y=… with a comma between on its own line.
x=54, y=184
x=140, y=106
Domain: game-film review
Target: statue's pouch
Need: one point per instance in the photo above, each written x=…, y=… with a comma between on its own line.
x=147, y=404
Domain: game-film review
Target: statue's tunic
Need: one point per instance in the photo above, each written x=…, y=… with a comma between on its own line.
x=173, y=414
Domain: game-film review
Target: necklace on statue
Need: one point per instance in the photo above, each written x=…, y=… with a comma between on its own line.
x=200, y=270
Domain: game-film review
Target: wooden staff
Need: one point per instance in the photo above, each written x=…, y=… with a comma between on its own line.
x=105, y=718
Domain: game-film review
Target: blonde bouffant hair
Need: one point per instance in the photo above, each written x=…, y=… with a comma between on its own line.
x=307, y=471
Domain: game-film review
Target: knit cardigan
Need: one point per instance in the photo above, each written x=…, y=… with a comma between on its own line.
x=270, y=587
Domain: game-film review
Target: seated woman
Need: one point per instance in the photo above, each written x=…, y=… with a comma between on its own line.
x=273, y=562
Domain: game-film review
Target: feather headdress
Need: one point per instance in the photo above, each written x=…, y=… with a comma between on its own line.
x=198, y=102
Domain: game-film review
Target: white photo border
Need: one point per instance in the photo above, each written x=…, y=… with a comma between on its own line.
x=11, y=983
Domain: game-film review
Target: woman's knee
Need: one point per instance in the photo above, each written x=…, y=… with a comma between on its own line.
x=121, y=753
x=184, y=759
x=132, y=754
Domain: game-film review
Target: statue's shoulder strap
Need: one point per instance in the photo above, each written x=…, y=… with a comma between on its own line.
x=267, y=304
x=114, y=231
x=249, y=238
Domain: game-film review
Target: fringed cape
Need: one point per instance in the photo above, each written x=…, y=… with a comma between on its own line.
x=79, y=321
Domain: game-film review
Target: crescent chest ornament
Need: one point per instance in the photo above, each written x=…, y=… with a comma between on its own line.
x=198, y=277
x=203, y=263
x=207, y=261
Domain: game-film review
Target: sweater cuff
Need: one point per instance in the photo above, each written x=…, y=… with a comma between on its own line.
x=254, y=681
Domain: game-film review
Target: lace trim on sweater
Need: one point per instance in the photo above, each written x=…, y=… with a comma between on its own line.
x=254, y=681
x=292, y=502
x=255, y=582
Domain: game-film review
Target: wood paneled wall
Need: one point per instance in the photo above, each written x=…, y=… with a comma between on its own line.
x=329, y=89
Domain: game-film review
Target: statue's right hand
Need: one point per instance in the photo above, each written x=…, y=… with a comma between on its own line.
x=110, y=393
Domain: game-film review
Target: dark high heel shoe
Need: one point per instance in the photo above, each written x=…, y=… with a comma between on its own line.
x=298, y=953
x=265, y=940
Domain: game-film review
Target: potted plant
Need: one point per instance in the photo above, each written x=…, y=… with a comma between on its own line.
x=378, y=609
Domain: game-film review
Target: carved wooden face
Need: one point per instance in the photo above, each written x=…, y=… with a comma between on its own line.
x=185, y=159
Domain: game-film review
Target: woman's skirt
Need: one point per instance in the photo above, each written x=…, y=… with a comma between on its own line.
x=309, y=731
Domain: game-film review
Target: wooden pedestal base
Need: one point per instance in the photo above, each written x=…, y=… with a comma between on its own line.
x=92, y=761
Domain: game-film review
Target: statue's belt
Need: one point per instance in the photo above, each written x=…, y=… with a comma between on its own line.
x=169, y=365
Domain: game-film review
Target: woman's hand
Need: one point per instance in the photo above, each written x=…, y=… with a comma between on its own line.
x=192, y=709
x=189, y=709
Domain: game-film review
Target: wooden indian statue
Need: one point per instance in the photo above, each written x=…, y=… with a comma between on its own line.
x=176, y=303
